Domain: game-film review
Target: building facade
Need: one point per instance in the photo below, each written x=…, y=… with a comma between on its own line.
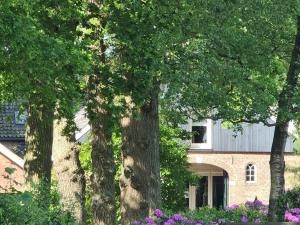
x=12, y=145
x=234, y=166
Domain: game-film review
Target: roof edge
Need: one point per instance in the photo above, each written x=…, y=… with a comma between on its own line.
x=82, y=132
x=12, y=156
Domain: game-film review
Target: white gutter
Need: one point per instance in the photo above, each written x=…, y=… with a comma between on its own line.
x=82, y=132
x=12, y=156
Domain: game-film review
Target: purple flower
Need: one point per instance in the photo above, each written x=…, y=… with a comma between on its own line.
x=244, y=219
x=291, y=218
x=136, y=223
x=178, y=217
x=149, y=220
x=170, y=222
x=258, y=203
x=264, y=211
x=249, y=203
x=257, y=220
x=158, y=213
x=198, y=223
x=232, y=207
x=295, y=211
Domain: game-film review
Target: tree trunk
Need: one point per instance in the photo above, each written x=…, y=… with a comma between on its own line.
x=140, y=179
x=99, y=110
x=38, y=142
x=285, y=102
x=38, y=152
x=69, y=173
x=102, y=179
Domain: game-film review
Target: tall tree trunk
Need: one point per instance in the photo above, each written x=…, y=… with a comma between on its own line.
x=38, y=151
x=69, y=173
x=38, y=142
x=103, y=168
x=277, y=164
x=140, y=179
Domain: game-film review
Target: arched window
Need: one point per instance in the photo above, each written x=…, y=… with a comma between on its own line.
x=250, y=173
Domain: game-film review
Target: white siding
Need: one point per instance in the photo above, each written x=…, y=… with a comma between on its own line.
x=253, y=138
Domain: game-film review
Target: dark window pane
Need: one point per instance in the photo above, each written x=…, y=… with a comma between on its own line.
x=199, y=134
x=247, y=178
x=202, y=192
x=247, y=172
x=252, y=172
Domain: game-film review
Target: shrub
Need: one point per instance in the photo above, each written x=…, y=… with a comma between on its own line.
x=31, y=208
x=252, y=211
x=289, y=205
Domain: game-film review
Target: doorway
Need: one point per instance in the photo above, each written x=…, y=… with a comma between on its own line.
x=211, y=190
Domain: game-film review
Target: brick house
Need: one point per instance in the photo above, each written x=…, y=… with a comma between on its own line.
x=12, y=144
x=234, y=167
x=12, y=141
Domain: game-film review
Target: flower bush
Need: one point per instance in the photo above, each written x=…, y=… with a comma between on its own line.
x=252, y=211
x=289, y=205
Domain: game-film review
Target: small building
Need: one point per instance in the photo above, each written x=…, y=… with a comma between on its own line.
x=234, y=166
x=12, y=145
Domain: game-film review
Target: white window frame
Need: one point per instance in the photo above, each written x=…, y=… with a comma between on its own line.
x=251, y=169
x=208, y=123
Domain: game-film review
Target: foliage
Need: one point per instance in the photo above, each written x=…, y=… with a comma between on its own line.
x=251, y=211
x=40, y=59
x=30, y=208
x=287, y=202
x=235, y=67
x=174, y=167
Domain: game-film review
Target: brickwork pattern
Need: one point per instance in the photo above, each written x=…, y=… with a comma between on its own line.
x=18, y=175
x=235, y=165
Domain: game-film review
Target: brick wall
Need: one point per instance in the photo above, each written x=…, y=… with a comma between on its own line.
x=18, y=175
x=235, y=165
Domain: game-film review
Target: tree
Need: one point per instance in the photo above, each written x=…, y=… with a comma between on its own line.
x=285, y=109
x=39, y=68
x=100, y=94
x=69, y=173
x=145, y=34
x=240, y=68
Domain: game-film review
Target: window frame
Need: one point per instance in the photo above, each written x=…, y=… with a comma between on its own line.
x=208, y=124
x=253, y=168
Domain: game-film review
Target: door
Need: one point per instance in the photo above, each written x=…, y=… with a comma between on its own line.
x=218, y=192
x=202, y=192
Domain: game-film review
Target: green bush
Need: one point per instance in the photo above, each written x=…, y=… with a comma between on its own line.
x=289, y=200
x=32, y=208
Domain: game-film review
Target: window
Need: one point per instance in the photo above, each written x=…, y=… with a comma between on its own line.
x=201, y=134
x=20, y=119
x=251, y=173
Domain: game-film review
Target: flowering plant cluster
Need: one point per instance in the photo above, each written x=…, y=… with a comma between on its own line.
x=252, y=211
x=292, y=215
x=289, y=205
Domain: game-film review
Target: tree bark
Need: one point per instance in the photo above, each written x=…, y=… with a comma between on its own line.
x=285, y=108
x=38, y=142
x=103, y=168
x=69, y=173
x=99, y=110
x=140, y=179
